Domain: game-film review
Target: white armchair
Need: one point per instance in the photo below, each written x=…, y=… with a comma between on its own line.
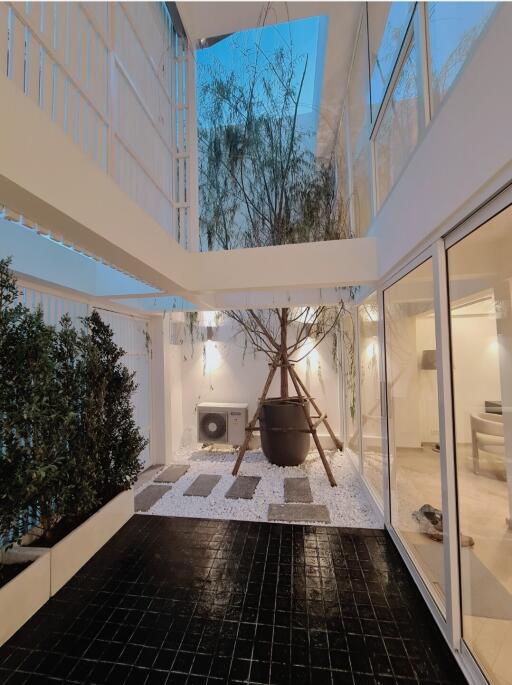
x=486, y=435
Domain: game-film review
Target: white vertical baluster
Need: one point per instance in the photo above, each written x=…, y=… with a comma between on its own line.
x=4, y=14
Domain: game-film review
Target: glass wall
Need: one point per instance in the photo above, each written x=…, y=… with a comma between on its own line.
x=453, y=28
x=413, y=423
x=369, y=381
x=387, y=24
x=479, y=269
x=388, y=85
x=480, y=282
x=398, y=130
x=350, y=387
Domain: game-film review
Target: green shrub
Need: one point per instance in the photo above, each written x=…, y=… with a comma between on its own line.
x=68, y=440
x=113, y=436
x=17, y=480
x=77, y=494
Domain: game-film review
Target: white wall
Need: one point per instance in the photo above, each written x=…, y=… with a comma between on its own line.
x=427, y=381
x=476, y=369
x=226, y=375
x=475, y=374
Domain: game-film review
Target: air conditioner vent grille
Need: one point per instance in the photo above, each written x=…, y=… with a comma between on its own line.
x=213, y=425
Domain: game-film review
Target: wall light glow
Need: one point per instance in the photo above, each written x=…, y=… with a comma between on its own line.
x=493, y=346
x=211, y=318
x=372, y=350
x=211, y=357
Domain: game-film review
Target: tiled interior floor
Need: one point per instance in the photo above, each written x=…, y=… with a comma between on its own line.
x=177, y=600
x=483, y=510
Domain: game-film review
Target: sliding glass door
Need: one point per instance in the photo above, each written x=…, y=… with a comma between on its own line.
x=480, y=298
x=413, y=423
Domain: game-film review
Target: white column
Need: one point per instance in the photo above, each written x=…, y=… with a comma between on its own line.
x=447, y=451
x=161, y=426
x=174, y=362
x=386, y=496
x=341, y=391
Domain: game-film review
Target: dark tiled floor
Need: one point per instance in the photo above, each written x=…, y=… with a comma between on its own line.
x=195, y=601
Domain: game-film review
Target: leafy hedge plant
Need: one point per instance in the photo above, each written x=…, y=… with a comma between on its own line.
x=68, y=439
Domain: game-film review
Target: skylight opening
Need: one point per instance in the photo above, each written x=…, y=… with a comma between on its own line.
x=304, y=39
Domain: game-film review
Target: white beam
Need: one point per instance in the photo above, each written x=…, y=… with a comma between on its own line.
x=307, y=265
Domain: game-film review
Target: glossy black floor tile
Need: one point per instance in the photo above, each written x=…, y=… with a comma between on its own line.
x=192, y=601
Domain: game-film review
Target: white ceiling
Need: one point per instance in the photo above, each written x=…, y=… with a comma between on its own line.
x=207, y=19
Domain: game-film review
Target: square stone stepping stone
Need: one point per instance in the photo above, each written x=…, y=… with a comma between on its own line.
x=297, y=490
x=295, y=513
x=172, y=473
x=243, y=487
x=146, y=475
x=144, y=500
x=202, y=486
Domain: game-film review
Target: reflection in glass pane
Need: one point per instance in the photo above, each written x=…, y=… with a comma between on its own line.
x=359, y=137
x=480, y=278
x=415, y=475
x=387, y=24
x=350, y=385
x=361, y=192
x=398, y=130
x=453, y=27
x=369, y=381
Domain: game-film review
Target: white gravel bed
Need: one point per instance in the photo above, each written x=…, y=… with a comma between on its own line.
x=348, y=503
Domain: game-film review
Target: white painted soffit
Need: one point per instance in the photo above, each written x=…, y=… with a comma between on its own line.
x=263, y=299
x=208, y=19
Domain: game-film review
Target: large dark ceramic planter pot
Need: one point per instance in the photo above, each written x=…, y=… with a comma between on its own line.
x=284, y=447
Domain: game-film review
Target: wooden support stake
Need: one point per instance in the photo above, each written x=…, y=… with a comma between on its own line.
x=250, y=428
x=337, y=442
x=295, y=380
x=319, y=420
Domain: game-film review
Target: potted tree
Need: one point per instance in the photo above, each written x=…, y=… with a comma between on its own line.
x=262, y=185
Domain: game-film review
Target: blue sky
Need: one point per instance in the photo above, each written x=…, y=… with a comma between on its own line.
x=307, y=37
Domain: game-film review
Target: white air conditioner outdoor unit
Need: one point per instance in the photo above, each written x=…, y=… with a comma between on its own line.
x=222, y=422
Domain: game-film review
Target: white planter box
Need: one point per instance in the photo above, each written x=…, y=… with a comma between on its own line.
x=25, y=594
x=72, y=552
